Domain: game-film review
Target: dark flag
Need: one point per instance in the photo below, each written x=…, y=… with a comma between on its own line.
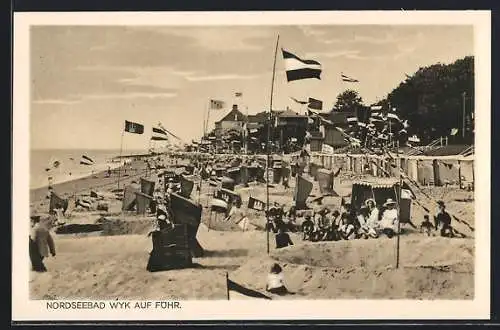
x=315, y=104
x=238, y=94
x=57, y=202
x=297, y=68
x=134, y=128
x=255, y=204
x=235, y=287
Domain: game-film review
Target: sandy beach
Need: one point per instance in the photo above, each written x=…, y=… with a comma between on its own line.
x=111, y=263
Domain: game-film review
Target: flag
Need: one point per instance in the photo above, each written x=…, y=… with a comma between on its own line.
x=299, y=102
x=216, y=104
x=297, y=68
x=255, y=204
x=376, y=107
x=85, y=160
x=241, y=290
x=406, y=187
x=159, y=134
x=352, y=119
x=134, y=128
x=238, y=94
x=315, y=104
x=454, y=131
x=348, y=79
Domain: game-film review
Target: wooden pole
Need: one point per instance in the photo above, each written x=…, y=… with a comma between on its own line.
x=268, y=143
x=398, y=234
x=227, y=285
x=120, y=159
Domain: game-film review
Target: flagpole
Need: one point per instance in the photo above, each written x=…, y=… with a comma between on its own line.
x=398, y=234
x=227, y=285
x=120, y=159
x=268, y=143
x=208, y=116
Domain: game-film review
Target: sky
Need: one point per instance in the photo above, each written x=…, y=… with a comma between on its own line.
x=87, y=80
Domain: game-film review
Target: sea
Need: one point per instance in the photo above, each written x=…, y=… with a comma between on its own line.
x=69, y=167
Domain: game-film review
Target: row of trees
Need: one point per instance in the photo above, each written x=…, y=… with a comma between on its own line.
x=435, y=100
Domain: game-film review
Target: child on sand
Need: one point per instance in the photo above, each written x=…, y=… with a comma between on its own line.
x=426, y=226
x=275, y=280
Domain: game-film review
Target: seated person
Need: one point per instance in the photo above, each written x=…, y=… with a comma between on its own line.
x=275, y=281
x=347, y=230
x=389, y=221
x=373, y=214
x=282, y=238
x=426, y=226
x=443, y=218
x=362, y=218
x=332, y=233
x=307, y=228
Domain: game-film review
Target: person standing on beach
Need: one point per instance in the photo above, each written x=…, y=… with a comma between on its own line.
x=41, y=243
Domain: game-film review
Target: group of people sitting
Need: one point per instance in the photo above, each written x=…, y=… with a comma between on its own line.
x=349, y=223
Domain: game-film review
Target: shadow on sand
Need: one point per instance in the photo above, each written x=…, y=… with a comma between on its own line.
x=226, y=253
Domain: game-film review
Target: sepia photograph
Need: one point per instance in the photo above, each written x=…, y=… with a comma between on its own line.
x=282, y=160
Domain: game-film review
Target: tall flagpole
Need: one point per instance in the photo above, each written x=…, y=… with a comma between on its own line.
x=268, y=142
x=398, y=234
x=120, y=158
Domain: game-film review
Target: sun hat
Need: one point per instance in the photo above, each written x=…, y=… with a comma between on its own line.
x=389, y=201
x=370, y=200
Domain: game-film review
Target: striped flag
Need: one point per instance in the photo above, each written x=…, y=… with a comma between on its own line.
x=348, y=79
x=85, y=160
x=297, y=68
x=216, y=104
x=159, y=134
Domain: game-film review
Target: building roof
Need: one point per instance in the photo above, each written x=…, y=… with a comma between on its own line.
x=288, y=113
x=234, y=115
x=260, y=117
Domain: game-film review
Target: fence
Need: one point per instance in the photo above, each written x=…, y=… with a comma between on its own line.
x=426, y=170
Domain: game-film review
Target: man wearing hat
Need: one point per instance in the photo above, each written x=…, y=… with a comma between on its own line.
x=442, y=217
x=389, y=221
x=40, y=242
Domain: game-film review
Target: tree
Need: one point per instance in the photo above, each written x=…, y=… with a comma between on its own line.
x=432, y=99
x=348, y=100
